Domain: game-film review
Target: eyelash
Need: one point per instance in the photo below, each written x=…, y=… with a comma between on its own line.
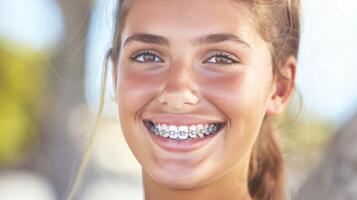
x=136, y=55
x=221, y=54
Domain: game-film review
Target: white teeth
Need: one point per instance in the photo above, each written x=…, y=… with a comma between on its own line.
x=206, y=130
x=165, y=134
x=200, y=134
x=192, y=135
x=172, y=128
x=183, y=129
x=183, y=136
x=192, y=128
x=184, y=132
x=163, y=126
x=173, y=136
x=199, y=127
x=192, y=131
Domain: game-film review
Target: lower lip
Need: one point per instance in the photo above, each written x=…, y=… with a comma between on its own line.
x=180, y=146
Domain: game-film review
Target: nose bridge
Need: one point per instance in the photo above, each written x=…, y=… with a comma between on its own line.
x=179, y=76
x=179, y=89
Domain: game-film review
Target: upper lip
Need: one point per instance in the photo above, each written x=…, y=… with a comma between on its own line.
x=181, y=119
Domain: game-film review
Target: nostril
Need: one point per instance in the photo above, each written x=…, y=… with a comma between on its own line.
x=177, y=99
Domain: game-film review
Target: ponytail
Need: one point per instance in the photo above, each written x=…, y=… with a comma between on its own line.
x=266, y=169
x=279, y=23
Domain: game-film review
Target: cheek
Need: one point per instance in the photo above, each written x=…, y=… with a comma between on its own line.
x=241, y=98
x=134, y=92
x=237, y=96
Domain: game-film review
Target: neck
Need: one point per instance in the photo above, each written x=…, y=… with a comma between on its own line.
x=231, y=186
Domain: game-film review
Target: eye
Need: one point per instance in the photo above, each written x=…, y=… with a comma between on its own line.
x=222, y=58
x=146, y=57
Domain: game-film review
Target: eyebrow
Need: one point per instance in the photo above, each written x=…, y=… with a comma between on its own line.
x=218, y=38
x=147, y=38
x=205, y=40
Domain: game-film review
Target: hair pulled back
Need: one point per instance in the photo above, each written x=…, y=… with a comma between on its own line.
x=278, y=22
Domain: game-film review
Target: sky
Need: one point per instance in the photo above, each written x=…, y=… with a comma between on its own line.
x=35, y=23
x=327, y=68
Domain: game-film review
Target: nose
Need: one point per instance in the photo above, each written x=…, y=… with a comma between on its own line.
x=179, y=93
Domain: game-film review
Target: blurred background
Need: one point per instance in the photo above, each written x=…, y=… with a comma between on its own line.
x=51, y=57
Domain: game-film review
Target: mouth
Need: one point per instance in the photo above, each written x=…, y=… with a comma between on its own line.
x=181, y=133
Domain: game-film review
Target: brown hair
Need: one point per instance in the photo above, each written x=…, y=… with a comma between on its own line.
x=278, y=22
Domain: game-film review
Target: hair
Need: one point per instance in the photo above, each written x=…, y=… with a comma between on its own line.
x=278, y=22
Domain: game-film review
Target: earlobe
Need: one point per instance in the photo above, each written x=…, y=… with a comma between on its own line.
x=283, y=87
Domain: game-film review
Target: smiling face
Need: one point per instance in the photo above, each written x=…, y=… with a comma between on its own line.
x=194, y=83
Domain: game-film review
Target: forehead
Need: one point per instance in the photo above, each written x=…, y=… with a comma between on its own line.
x=188, y=18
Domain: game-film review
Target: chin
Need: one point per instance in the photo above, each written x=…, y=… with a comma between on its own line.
x=179, y=178
x=176, y=181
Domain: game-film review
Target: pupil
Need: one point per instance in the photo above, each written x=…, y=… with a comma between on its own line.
x=148, y=57
x=222, y=60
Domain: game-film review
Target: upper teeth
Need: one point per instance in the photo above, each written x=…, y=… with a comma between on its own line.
x=184, y=132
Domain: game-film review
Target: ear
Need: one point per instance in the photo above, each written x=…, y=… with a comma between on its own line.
x=283, y=86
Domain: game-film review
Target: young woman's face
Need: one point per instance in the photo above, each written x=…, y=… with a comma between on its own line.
x=187, y=68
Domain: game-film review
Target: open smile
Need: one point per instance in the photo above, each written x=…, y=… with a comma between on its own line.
x=182, y=138
x=183, y=132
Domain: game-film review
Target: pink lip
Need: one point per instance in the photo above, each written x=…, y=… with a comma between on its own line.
x=180, y=146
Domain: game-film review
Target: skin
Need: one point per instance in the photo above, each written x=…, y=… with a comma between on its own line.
x=186, y=79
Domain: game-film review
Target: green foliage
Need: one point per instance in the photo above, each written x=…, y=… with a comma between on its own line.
x=307, y=135
x=22, y=83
